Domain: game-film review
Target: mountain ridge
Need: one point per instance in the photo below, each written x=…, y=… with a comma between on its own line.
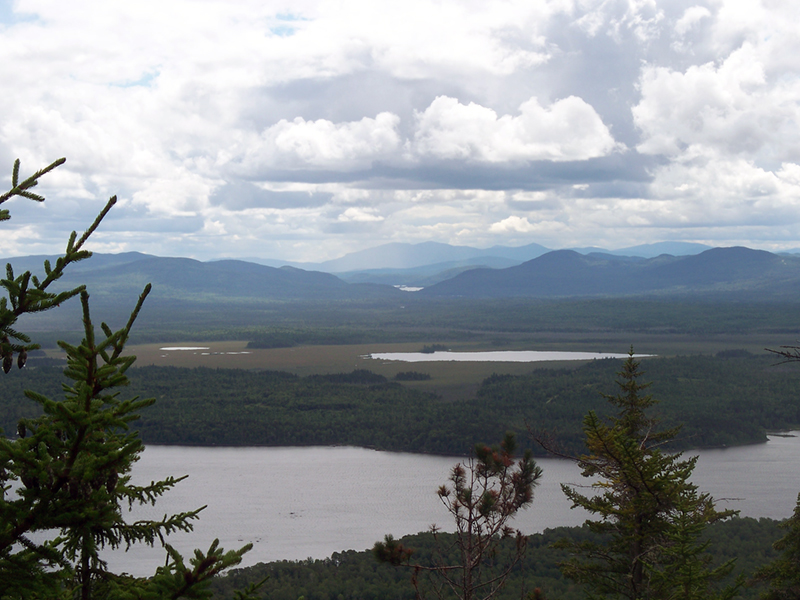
x=555, y=274
x=567, y=273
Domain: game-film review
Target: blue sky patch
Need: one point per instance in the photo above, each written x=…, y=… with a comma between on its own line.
x=9, y=17
x=145, y=81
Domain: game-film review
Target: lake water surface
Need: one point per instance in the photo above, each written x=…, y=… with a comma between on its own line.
x=496, y=356
x=295, y=503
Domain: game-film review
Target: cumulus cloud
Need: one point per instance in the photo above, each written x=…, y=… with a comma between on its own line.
x=512, y=223
x=294, y=128
x=731, y=108
x=321, y=143
x=567, y=130
x=359, y=215
x=691, y=17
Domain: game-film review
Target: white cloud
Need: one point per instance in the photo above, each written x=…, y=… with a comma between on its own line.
x=732, y=108
x=416, y=120
x=322, y=143
x=512, y=223
x=729, y=191
x=691, y=17
x=359, y=215
x=569, y=129
x=641, y=18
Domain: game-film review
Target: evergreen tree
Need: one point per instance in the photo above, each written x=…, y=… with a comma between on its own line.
x=483, y=496
x=65, y=478
x=783, y=574
x=650, y=514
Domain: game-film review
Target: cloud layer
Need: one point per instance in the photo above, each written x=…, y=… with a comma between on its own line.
x=306, y=129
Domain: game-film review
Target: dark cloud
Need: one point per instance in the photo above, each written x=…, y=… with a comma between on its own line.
x=242, y=195
x=534, y=205
x=346, y=97
x=535, y=175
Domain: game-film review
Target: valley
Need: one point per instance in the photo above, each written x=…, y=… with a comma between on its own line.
x=269, y=367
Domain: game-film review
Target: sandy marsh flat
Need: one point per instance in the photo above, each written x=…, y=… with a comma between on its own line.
x=451, y=379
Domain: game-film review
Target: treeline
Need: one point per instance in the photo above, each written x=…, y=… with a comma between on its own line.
x=725, y=400
x=322, y=336
x=353, y=575
x=278, y=324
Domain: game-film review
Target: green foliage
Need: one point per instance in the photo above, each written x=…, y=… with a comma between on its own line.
x=718, y=401
x=353, y=575
x=722, y=401
x=650, y=515
x=482, y=497
x=358, y=376
x=432, y=348
x=66, y=477
x=26, y=293
x=783, y=574
x=22, y=188
x=412, y=376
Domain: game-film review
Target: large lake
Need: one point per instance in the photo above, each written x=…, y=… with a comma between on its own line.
x=295, y=503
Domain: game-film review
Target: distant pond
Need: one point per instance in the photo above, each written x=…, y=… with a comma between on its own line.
x=295, y=503
x=496, y=356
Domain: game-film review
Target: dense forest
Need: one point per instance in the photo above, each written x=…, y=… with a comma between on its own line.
x=269, y=323
x=355, y=575
x=727, y=399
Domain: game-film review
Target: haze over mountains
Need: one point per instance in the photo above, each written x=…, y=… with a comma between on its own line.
x=407, y=256
x=445, y=272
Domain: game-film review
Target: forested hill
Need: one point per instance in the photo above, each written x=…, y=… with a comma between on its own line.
x=118, y=276
x=565, y=273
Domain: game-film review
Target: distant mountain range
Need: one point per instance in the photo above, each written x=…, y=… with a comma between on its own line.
x=566, y=273
x=562, y=273
x=398, y=256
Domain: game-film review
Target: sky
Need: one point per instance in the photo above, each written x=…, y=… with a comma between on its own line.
x=302, y=130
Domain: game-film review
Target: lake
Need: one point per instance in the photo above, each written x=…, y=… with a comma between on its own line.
x=295, y=503
x=496, y=356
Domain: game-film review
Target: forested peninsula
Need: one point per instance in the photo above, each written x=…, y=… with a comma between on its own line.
x=727, y=399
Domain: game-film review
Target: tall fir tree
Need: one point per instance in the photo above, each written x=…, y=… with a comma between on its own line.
x=650, y=516
x=65, y=478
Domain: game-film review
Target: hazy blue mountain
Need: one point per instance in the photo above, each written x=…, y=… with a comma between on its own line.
x=425, y=275
x=548, y=274
x=650, y=250
x=398, y=255
x=589, y=250
x=565, y=273
x=659, y=248
x=373, y=263
x=408, y=256
x=110, y=276
x=34, y=263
